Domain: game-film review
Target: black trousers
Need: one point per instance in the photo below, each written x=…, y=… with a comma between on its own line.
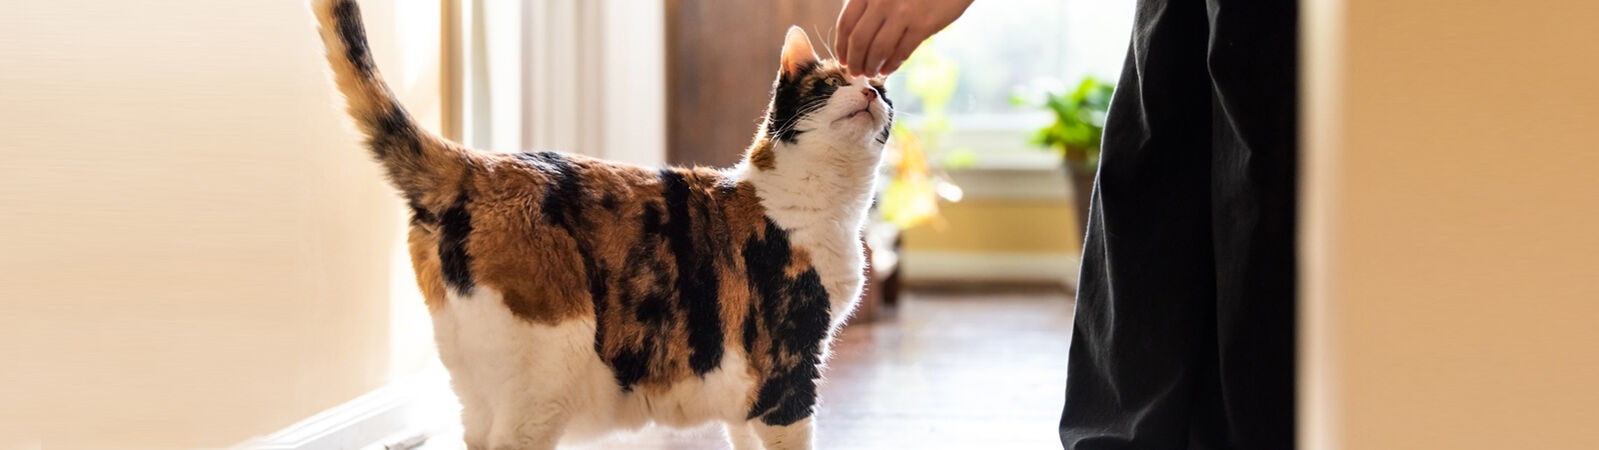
x=1184, y=334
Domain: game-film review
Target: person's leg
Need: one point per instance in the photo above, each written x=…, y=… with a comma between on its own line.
x=1145, y=320
x=1253, y=68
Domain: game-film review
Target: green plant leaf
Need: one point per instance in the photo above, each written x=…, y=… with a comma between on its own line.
x=1079, y=122
x=960, y=158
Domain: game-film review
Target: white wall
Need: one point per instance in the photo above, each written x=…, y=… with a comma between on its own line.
x=193, y=250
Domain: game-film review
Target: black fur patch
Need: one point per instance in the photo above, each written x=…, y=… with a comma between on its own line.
x=649, y=279
x=794, y=311
x=646, y=298
x=653, y=307
x=421, y=216
x=632, y=363
x=697, y=283
x=455, y=226
x=801, y=332
x=790, y=99
x=347, y=16
x=563, y=199
x=882, y=138
x=395, y=131
x=652, y=220
x=601, y=305
x=609, y=201
x=630, y=366
x=598, y=276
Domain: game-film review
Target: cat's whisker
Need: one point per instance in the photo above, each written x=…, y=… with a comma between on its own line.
x=791, y=126
x=802, y=113
x=827, y=42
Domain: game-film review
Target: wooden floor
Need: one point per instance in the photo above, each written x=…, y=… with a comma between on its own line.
x=943, y=371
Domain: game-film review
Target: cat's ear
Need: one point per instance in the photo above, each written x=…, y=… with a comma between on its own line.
x=797, y=52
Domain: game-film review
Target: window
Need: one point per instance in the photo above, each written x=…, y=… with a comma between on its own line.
x=564, y=75
x=1014, y=48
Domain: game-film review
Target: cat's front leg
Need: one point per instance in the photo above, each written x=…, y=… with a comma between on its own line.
x=794, y=436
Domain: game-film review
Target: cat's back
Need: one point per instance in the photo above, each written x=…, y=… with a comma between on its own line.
x=556, y=233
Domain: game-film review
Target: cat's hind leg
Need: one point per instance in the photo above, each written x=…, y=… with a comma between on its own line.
x=530, y=424
x=476, y=421
x=742, y=435
x=793, y=436
x=544, y=392
x=526, y=373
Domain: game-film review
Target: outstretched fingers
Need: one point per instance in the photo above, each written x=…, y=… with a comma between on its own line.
x=847, y=20
x=862, y=37
x=907, y=45
x=883, y=46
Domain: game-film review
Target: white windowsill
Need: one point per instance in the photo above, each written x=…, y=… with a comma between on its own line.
x=1008, y=166
x=1001, y=141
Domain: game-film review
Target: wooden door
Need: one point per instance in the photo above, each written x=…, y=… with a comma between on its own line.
x=721, y=59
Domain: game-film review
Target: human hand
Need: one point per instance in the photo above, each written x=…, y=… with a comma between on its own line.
x=875, y=36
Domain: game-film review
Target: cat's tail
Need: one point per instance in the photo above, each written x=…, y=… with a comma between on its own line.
x=418, y=162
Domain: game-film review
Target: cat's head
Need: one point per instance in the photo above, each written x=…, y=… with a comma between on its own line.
x=815, y=101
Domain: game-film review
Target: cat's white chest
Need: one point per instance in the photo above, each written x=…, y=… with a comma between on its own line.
x=838, y=257
x=822, y=204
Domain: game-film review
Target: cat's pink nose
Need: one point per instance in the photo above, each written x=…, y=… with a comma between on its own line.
x=871, y=94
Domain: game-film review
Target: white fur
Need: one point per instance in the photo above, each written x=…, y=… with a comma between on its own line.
x=821, y=187
x=524, y=385
x=528, y=386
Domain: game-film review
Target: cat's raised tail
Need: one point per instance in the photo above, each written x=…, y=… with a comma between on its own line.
x=418, y=162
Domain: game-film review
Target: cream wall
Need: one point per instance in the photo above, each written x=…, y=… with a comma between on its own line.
x=193, y=250
x=1012, y=226
x=1451, y=259
x=1000, y=225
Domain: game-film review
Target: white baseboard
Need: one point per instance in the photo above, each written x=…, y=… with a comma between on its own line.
x=411, y=407
x=942, y=266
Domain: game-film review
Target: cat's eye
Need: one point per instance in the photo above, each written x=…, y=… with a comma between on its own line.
x=832, y=81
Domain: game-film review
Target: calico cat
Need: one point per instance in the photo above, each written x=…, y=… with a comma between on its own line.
x=572, y=296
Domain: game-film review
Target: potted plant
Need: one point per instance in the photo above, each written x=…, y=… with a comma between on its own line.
x=1075, y=134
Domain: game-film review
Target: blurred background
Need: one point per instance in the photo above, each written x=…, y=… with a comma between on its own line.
x=196, y=254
